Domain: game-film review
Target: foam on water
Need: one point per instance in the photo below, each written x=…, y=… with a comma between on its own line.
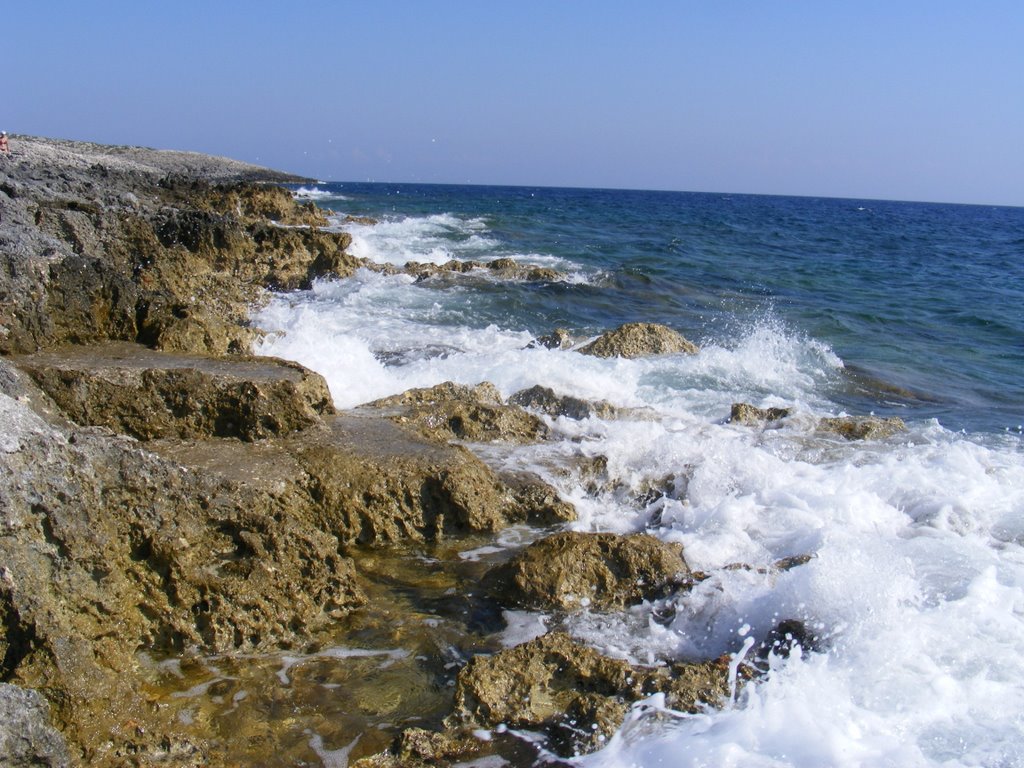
x=915, y=586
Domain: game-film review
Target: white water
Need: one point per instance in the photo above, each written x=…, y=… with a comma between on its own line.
x=916, y=586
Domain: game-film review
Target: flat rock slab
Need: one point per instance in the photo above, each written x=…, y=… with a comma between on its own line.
x=371, y=481
x=147, y=394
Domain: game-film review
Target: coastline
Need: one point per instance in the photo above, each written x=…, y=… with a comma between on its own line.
x=168, y=495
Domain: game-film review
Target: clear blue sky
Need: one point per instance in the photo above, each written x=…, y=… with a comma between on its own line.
x=904, y=100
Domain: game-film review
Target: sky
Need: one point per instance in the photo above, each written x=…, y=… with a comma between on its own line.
x=902, y=99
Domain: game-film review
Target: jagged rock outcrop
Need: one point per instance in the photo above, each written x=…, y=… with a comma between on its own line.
x=572, y=570
x=575, y=695
x=146, y=394
x=153, y=253
x=107, y=549
x=452, y=411
x=639, y=340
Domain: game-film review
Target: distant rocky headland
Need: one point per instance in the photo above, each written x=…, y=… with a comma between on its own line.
x=167, y=497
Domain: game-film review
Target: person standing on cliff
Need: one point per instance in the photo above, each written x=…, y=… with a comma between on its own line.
x=4, y=146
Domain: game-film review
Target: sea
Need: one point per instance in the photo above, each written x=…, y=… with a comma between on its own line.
x=914, y=587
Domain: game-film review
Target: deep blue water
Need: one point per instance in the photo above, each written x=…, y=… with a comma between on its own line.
x=924, y=303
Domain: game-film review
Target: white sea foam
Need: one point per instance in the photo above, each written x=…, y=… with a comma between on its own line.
x=315, y=193
x=915, y=588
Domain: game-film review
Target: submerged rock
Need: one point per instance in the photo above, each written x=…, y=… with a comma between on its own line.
x=639, y=340
x=147, y=394
x=452, y=411
x=862, y=427
x=572, y=693
x=572, y=570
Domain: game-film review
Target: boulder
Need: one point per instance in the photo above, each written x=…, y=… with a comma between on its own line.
x=452, y=411
x=639, y=340
x=572, y=693
x=544, y=399
x=148, y=394
x=862, y=427
x=744, y=413
x=572, y=570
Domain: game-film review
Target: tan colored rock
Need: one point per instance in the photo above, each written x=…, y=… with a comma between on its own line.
x=107, y=549
x=572, y=692
x=572, y=570
x=639, y=340
x=452, y=411
x=559, y=338
x=744, y=413
x=862, y=427
x=147, y=394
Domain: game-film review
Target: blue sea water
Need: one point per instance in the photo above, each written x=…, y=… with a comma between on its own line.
x=923, y=303
x=915, y=582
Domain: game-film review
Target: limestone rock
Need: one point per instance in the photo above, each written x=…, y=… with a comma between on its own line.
x=545, y=400
x=744, y=413
x=572, y=570
x=573, y=693
x=26, y=736
x=862, y=427
x=639, y=340
x=147, y=394
x=452, y=411
x=101, y=244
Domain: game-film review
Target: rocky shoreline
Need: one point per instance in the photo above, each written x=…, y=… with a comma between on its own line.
x=168, y=499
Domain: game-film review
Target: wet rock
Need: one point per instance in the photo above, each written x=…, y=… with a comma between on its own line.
x=639, y=340
x=107, y=549
x=572, y=570
x=539, y=501
x=862, y=427
x=744, y=413
x=571, y=692
x=510, y=269
x=26, y=736
x=545, y=400
x=147, y=394
x=452, y=411
x=420, y=748
x=557, y=339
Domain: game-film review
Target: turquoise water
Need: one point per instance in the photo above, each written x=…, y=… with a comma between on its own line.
x=923, y=303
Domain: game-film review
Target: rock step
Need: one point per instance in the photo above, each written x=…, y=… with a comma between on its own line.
x=147, y=394
x=372, y=481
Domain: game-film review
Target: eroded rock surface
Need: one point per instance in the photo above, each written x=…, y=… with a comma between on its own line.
x=147, y=394
x=26, y=736
x=452, y=411
x=165, y=248
x=639, y=340
x=862, y=427
x=577, y=696
x=744, y=413
x=572, y=570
